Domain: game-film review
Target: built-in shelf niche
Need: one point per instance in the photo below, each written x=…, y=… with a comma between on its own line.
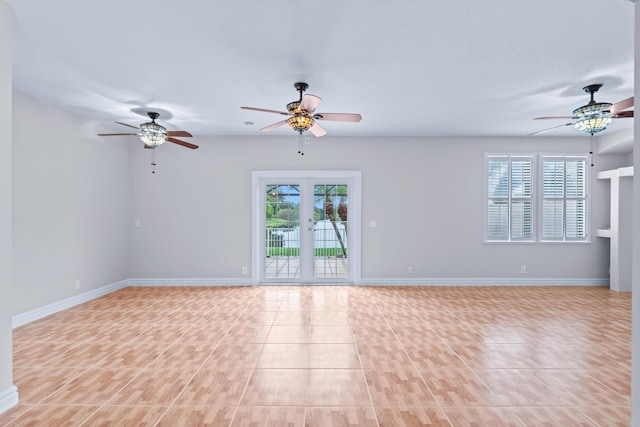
x=619, y=231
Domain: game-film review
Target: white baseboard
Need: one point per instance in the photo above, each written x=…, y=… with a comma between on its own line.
x=482, y=281
x=47, y=310
x=372, y=281
x=8, y=398
x=231, y=281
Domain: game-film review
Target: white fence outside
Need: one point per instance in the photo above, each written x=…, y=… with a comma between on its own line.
x=324, y=236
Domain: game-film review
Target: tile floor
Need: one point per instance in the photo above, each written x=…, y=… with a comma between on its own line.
x=329, y=356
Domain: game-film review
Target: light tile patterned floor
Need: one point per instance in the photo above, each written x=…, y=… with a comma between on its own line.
x=329, y=356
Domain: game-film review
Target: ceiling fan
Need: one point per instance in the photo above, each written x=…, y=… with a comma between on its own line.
x=153, y=134
x=302, y=115
x=595, y=116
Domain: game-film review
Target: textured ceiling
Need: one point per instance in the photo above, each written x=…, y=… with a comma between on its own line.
x=410, y=67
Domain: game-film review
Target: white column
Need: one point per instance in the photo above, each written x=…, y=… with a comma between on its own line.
x=635, y=322
x=8, y=392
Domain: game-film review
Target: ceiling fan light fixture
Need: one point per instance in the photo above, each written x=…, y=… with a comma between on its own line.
x=293, y=107
x=301, y=114
x=593, y=117
x=591, y=109
x=593, y=124
x=300, y=123
x=153, y=134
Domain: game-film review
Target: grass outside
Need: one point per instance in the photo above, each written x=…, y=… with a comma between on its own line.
x=280, y=223
x=296, y=252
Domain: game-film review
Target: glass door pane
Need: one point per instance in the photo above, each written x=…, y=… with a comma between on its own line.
x=282, y=231
x=330, y=238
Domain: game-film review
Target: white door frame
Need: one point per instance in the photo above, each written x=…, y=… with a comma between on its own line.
x=257, y=234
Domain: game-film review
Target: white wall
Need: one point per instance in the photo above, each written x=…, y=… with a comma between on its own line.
x=70, y=205
x=629, y=159
x=426, y=195
x=8, y=395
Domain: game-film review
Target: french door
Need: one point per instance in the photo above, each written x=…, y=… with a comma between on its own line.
x=306, y=227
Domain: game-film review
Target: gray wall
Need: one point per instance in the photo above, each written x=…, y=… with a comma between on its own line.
x=6, y=377
x=426, y=195
x=76, y=197
x=70, y=205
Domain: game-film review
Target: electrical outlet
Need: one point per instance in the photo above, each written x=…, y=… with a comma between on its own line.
x=245, y=270
x=77, y=284
x=410, y=269
x=523, y=269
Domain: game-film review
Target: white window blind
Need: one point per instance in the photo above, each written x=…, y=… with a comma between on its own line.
x=509, y=214
x=564, y=198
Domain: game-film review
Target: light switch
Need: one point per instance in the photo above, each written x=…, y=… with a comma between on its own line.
x=136, y=223
x=373, y=224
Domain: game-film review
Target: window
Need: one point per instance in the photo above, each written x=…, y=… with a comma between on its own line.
x=509, y=214
x=564, y=198
x=512, y=190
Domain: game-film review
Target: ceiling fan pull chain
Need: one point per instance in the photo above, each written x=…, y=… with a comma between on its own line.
x=153, y=160
x=300, y=145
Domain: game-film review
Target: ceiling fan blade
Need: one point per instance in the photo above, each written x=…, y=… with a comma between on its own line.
x=622, y=105
x=124, y=124
x=338, y=117
x=309, y=103
x=115, y=134
x=265, y=111
x=623, y=114
x=317, y=130
x=274, y=126
x=183, y=143
x=554, y=118
x=182, y=133
x=547, y=130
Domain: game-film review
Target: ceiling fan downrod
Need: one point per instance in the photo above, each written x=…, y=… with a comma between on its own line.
x=301, y=87
x=591, y=90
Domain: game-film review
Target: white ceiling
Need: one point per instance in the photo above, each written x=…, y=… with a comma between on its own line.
x=410, y=67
